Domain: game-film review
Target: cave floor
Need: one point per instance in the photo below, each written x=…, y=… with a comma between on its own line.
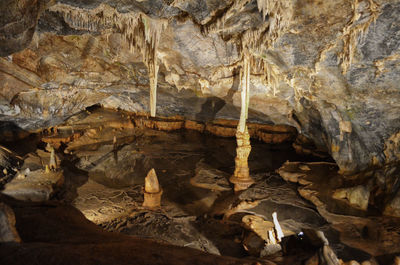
x=95, y=214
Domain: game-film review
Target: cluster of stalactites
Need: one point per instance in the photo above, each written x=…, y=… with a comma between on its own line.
x=259, y=65
x=139, y=31
x=219, y=24
x=254, y=42
x=279, y=13
x=354, y=31
x=152, y=32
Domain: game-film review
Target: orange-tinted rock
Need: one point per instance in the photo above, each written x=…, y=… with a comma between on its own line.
x=27, y=59
x=305, y=146
x=169, y=125
x=220, y=130
x=241, y=176
x=194, y=125
x=56, y=139
x=159, y=123
x=274, y=134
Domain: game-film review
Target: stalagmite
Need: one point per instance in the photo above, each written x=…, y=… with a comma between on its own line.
x=278, y=229
x=152, y=190
x=241, y=177
x=271, y=237
x=53, y=162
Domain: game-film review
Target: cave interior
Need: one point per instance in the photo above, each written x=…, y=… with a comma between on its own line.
x=200, y=132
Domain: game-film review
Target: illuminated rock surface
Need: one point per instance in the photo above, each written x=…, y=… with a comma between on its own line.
x=321, y=75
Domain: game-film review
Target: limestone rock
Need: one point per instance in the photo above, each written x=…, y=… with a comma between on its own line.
x=36, y=186
x=115, y=203
x=9, y=164
x=393, y=207
x=8, y=232
x=327, y=256
x=18, y=23
x=357, y=196
x=337, y=84
x=318, y=184
x=210, y=178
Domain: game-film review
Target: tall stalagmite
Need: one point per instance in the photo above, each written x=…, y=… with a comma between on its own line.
x=241, y=177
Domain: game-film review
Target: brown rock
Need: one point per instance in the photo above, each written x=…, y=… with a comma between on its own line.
x=152, y=190
x=8, y=232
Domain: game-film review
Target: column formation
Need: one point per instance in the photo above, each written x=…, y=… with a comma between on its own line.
x=241, y=177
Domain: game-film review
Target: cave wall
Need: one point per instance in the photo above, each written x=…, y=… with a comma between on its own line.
x=332, y=68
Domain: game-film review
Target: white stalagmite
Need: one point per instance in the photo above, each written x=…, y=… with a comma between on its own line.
x=279, y=232
x=271, y=237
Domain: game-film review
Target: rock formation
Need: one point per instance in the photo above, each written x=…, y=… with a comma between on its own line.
x=326, y=72
x=152, y=191
x=337, y=84
x=53, y=163
x=241, y=177
x=8, y=233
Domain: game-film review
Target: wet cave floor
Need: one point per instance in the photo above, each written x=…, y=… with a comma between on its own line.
x=103, y=159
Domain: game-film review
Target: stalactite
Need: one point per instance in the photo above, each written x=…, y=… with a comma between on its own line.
x=152, y=32
x=354, y=31
x=141, y=32
x=256, y=41
x=244, y=86
x=272, y=76
x=279, y=13
x=219, y=24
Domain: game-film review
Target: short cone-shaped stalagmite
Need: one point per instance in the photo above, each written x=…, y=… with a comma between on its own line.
x=241, y=177
x=152, y=190
x=47, y=169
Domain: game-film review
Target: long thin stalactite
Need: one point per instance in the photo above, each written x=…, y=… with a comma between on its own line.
x=141, y=33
